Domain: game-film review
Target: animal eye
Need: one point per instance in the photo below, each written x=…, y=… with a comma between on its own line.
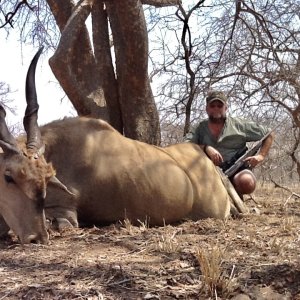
x=8, y=179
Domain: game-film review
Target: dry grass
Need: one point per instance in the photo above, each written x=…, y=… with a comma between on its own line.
x=257, y=255
x=216, y=282
x=166, y=241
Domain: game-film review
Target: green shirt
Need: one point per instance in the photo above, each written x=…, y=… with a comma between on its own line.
x=234, y=136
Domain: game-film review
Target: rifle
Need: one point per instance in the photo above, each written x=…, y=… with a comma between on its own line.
x=238, y=161
x=227, y=164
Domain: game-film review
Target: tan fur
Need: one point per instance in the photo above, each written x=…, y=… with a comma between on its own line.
x=116, y=177
x=113, y=178
x=20, y=200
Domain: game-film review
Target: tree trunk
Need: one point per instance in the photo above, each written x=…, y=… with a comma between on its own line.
x=104, y=65
x=73, y=63
x=89, y=78
x=130, y=36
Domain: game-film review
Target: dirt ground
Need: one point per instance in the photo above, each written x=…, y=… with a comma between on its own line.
x=254, y=257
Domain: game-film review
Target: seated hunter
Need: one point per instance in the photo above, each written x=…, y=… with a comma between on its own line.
x=223, y=138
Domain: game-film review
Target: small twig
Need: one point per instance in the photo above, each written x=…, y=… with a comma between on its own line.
x=5, y=296
x=10, y=15
x=277, y=185
x=232, y=272
x=293, y=194
x=251, y=197
x=119, y=282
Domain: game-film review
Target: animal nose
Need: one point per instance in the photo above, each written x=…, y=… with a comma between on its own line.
x=36, y=239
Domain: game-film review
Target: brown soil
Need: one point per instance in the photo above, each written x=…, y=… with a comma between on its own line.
x=255, y=257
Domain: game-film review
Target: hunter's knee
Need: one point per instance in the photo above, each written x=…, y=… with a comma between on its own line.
x=244, y=182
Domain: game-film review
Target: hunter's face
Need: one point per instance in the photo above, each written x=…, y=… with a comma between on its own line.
x=216, y=111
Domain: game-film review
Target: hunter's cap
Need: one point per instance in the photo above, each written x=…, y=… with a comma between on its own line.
x=216, y=95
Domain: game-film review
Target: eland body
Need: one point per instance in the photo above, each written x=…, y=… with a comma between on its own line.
x=103, y=176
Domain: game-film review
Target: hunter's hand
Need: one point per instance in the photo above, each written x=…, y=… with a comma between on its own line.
x=253, y=161
x=214, y=155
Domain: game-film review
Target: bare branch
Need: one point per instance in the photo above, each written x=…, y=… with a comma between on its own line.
x=187, y=47
x=9, y=16
x=162, y=3
x=293, y=194
x=238, y=6
x=61, y=65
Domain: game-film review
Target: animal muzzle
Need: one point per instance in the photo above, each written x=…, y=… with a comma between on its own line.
x=36, y=232
x=40, y=238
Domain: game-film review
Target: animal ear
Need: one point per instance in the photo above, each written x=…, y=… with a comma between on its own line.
x=41, y=151
x=54, y=181
x=9, y=148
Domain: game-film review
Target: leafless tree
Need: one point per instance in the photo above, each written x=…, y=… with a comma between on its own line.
x=249, y=49
x=116, y=89
x=5, y=101
x=262, y=63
